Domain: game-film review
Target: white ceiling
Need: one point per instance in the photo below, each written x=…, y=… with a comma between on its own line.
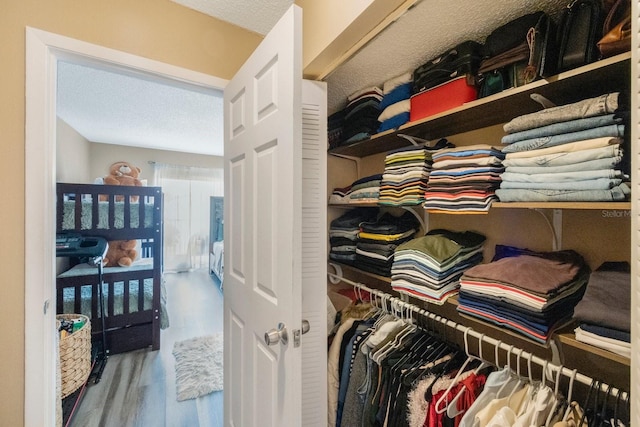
x=116, y=107
x=256, y=15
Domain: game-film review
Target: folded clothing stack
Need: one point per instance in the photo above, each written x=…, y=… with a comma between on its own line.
x=604, y=313
x=363, y=190
x=396, y=104
x=335, y=125
x=569, y=153
x=405, y=176
x=361, y=115
x=343, y=234
x=464, y=179
x=529, y=292
x=378, y=240
x=429, y=267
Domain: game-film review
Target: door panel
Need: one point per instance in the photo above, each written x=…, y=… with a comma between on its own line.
x=263, y=183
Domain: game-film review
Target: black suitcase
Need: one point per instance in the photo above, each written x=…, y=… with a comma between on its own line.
x=579, y=32
x=463, y=59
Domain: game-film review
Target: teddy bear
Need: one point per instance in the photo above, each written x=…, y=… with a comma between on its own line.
x=120, y=253
x=122, y=173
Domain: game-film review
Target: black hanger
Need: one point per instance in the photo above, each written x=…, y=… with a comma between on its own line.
x=595, y=384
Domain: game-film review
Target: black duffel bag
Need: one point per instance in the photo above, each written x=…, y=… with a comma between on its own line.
x=462, y=59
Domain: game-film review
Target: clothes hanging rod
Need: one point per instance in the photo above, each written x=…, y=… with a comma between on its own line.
x=482, y=338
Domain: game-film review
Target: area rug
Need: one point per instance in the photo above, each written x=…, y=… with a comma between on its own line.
x=198, y=366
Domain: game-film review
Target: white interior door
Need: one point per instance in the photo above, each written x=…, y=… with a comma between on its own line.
x=263, y=200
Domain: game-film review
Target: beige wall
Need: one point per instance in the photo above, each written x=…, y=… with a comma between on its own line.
x=73, y=155
x=103, y=155
x=156, y=29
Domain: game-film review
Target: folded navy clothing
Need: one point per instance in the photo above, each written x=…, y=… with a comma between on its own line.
x=375, y=177
x=394, y=122
x=606, y=301
x=399, y=93
x=606, y=332
x=352, y=219
x=390, y=224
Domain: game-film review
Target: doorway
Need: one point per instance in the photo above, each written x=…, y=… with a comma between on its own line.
x=44, y=50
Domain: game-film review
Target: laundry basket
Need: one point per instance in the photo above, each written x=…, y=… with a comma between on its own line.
x=75, y=355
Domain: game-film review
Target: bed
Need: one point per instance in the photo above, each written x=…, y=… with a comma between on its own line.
x=216, y=260
x=134, y=297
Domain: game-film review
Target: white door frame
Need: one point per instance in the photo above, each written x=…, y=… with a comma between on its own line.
x=43, y=50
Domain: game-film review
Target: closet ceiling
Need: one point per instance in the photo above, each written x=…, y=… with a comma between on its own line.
x=424, y=32
x=258, y=16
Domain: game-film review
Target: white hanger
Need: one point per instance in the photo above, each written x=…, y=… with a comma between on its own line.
x=556, y=390
x=442, y=400
x=502, y=387
x=570, y=395
x=452, y=408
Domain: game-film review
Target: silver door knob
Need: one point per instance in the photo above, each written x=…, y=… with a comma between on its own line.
x=274, y=336
x=305, y=326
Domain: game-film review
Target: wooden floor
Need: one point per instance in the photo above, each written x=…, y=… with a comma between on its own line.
x=138, y=388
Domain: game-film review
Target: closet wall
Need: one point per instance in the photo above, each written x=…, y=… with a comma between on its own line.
x=598, y=232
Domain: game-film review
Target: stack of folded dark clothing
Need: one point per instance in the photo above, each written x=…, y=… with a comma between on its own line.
x=529, y=292
x=343, y=234
x=361, y=115
x=335, y=124
x=464, y=179
x=604, y=313
x=378, y=240
x=395, y=105
x=363, y=190
x=429, y=267
x=569, y=153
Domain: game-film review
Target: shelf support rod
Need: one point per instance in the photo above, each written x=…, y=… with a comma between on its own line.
x=355, y=160
x=556, y=227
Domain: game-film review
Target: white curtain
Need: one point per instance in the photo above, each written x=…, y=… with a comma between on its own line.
x=187, y=191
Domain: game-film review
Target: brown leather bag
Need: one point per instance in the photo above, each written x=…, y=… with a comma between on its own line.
x=616, y=30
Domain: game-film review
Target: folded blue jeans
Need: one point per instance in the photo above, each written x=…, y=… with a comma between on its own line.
x=597, y=106
x=564, y=127
x=615, y=194
x=562, y=177
x=591, y=165
x=587, y=184
x=564, y=138
x=566, y=158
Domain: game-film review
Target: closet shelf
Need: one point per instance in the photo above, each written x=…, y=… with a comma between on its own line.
x=607, y=75
x=514, y=205
x=565, y=336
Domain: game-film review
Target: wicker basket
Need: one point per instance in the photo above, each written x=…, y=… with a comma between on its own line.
x=75, y=356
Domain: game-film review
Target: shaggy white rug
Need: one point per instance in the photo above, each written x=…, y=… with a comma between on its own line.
x=198, y=366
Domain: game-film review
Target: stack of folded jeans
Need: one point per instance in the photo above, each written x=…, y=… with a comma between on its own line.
x=396, y=104
x=363, y=190
x=464, y=179
x=378, y=240
x=361, y=115
x=343, y=234
x=604, y=313
x=430, y=266
x=529, y=292
x=567, y=153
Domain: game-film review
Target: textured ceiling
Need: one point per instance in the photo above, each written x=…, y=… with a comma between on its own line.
x=111, y=106
x=255, y=15
x=423, y=33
